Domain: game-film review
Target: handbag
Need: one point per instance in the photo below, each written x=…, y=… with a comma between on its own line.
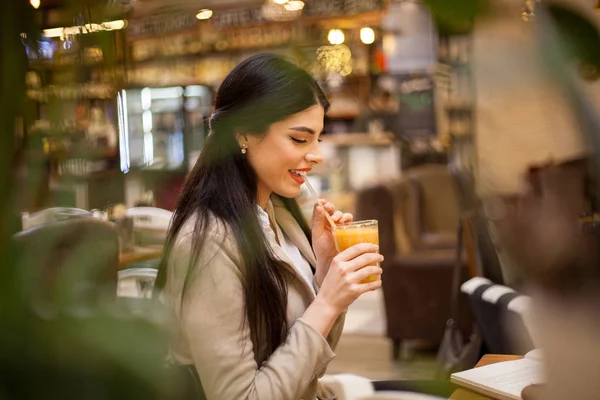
x=455, y=353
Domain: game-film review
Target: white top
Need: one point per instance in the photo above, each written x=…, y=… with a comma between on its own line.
x=289, y=248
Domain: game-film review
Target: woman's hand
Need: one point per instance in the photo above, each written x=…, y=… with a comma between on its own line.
x=322, y=236
x=342, y=285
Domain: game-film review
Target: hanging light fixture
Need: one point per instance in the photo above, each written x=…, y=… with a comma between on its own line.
x=35, y=3
x=294, y=5
x=205, y=13
x=367, y=35
x=336, y=36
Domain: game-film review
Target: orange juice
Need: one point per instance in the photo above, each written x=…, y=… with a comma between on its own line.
x=348, y=235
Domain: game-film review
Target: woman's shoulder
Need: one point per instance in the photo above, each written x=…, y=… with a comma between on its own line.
x=211, y=247
x=214, y=230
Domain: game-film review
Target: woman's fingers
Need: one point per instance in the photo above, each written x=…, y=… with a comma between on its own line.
x=352, y=252
x=366, y=272
x=337, y=216
x=346, y=218
x=367, y=287
x=328, y=206
x=363, y=260
x=342, y=218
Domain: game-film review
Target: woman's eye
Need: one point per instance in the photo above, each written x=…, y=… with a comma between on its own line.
x=299, y=140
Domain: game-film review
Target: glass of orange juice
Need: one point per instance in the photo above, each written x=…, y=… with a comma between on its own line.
x=347, y=235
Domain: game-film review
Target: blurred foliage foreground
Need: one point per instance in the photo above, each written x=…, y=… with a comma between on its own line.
x=58, y=347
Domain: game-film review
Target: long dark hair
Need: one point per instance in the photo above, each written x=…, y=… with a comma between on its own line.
x=261, y=90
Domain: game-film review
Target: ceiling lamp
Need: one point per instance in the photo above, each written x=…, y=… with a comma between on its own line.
x=205, y=13
x=280, y=2
x=367, y=35
x=336, y=36
x=294, y=5
x=35, y=3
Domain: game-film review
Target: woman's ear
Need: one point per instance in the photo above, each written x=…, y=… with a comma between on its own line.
x=242, y=139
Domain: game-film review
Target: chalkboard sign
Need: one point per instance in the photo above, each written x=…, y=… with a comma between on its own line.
x=416, y=118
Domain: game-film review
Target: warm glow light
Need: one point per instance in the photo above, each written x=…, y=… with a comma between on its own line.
x=148, y=148
x=195, y=91
x=54, y=32
x=174, y=92
x=147, y=121
x=123, y=131
x=389, y=44
x=35, y=3
x=294, y=5
x=87, y=28
x=337, y=58
x=336, y=36
x=205, y=13
x=115, y=25
x=367, y=35
x=146, y=95
x=280, y=1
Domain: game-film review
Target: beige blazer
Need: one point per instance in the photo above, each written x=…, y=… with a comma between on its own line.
x=209, y=332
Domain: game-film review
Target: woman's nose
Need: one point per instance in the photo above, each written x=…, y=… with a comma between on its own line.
x=314, y=156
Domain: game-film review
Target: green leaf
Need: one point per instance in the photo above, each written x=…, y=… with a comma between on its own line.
x=456, y=16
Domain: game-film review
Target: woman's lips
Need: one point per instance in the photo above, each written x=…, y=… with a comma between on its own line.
x=299, y=179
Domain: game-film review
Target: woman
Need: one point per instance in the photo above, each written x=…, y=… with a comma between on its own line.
x=238, y=271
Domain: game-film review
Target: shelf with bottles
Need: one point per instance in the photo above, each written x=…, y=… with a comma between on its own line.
x=53, y=66
x=78, y=170
x=359, y=139
x=76, y=85
x=78, y=153
x=206, y=42
x=454, y=50
x=50, y=49
x=459, y=107
x=76, y=92
x=74, y=139
x=456, y=93
x=153, y=67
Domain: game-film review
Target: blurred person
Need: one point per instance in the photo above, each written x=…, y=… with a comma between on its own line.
x=533, y=175
x=100, y=132
x=259, y=297
x=523, y=118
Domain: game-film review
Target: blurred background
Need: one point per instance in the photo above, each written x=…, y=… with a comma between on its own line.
x=467, y=128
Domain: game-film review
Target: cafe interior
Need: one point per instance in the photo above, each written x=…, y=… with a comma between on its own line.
x=468, y=129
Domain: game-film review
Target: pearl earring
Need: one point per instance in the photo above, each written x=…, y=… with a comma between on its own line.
x=244, y=149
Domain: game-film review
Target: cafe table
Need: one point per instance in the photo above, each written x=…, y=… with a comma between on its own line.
x=465, y=394
x=138, y=254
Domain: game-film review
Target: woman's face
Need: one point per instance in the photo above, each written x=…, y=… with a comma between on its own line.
x=286, y=153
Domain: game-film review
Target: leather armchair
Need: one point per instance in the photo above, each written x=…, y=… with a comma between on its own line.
x=418, y=217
